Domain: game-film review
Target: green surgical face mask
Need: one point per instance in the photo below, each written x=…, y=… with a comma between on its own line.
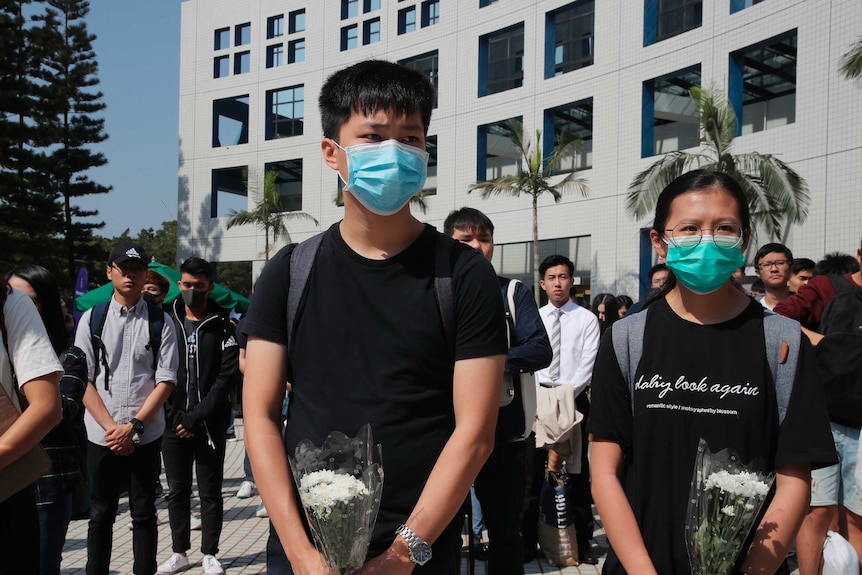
x=705, y=267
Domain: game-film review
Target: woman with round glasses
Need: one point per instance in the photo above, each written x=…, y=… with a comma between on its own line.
x=703, y=373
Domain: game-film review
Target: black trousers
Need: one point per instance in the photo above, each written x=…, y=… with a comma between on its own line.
x=109, y=474
x=180, y=455
x=500, y=488
x=578, y=489
x=19, y=534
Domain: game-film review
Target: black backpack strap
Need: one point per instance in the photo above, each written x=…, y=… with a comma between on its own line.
x=97, y=324
x=301, y=263
x=443, y=288
x=156, y=320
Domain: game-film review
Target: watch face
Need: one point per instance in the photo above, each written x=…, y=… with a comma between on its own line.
x=420, y=552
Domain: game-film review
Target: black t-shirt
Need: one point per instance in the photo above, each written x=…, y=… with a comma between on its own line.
x=369, y=347
x=699, y=381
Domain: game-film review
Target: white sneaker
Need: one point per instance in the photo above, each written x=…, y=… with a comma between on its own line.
x=176, y=563
x=261, y=511
x=211, y=565
x=246, y=490
x=195, y=524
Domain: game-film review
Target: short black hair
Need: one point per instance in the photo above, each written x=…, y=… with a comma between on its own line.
x=370, y=86
x=837, y=263
x=624, y=301
x=467, y=219
x=758, y=285
x=553, y=261
x=800, y=264
x=773, y=248
x=655, y=269
x=197, y=267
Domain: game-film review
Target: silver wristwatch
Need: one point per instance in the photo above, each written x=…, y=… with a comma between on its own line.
x=420, y=551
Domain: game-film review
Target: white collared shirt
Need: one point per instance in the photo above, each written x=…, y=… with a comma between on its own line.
x=579, y=343
x=126, y=336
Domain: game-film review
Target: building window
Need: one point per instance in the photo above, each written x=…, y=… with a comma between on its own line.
x=222, y=38
x=430, y=188
x=569, y=38
x=274, y=55
x=371, y=31
x=221, y=66
x=496, y=153
x=349, y=37
x=242, y=34
x=666, y=18
x=483, y=3
x=371, y=5
x=349, y=9
x=242, y=63
x=285, y=112
x=288, y=182
x=296, y=51
x=297, y=21
x=428, y=65
x=516, y=260
x=670, y=118
x=501, y=60
x=230, y=121
x=430, y=13
x=229, y=192
x=275, y=26
x=407, y=20
x=567, y=122
x=762, y=84
x=737, y=5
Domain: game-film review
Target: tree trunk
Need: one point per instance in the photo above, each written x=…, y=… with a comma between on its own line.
x=536, y=247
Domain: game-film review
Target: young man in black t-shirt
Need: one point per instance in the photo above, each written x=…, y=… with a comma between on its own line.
x=368, y=344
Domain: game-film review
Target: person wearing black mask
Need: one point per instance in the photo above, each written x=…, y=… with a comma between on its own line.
x=198, y=413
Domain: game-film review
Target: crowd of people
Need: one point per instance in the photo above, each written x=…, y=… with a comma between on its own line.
x=465, y=381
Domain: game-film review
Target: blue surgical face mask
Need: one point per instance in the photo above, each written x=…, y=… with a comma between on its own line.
x=384, y=176
x=705, y=267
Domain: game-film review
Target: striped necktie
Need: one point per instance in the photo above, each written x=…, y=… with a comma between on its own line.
x=555, y=345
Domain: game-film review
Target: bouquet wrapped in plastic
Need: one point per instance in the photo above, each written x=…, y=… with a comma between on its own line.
x=724, y=504
x=340, y=486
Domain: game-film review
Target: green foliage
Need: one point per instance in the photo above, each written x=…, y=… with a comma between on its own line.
x=67, y=121
x=534, y=178
x=851, y=62
x=777, y=194
x=269, y=213
x=235, y=275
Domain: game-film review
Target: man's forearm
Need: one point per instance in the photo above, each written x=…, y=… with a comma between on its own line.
x=155, y=401
x=94, y=404
x=465, y=453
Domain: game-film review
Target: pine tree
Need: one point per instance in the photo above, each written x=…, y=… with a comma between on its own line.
x=29, y=214
x=70, y=124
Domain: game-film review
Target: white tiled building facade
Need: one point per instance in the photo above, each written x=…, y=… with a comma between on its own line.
x=614, y=71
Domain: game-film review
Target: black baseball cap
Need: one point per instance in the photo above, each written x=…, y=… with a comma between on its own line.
x=128, y=251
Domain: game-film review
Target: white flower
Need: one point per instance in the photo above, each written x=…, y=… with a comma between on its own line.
x=322, y=490
x=743, y=483
x=728, y=510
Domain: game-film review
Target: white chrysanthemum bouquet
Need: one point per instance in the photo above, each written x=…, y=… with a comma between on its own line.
x=723, y=506
x=339, y=486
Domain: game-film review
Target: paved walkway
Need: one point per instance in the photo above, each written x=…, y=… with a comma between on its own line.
x=243, y=538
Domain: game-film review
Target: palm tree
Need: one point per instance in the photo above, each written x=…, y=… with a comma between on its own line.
x=269, y=213
x=534, y=178
x=851, y=62
x=777, y=195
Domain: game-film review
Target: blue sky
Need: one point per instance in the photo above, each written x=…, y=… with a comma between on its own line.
x=138, y=51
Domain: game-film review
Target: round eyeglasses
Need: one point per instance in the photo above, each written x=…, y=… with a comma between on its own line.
x=687, y=236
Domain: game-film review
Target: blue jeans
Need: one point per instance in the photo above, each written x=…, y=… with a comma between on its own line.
x=53, y=524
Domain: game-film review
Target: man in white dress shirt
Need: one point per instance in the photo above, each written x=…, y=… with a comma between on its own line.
x=574, y=335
